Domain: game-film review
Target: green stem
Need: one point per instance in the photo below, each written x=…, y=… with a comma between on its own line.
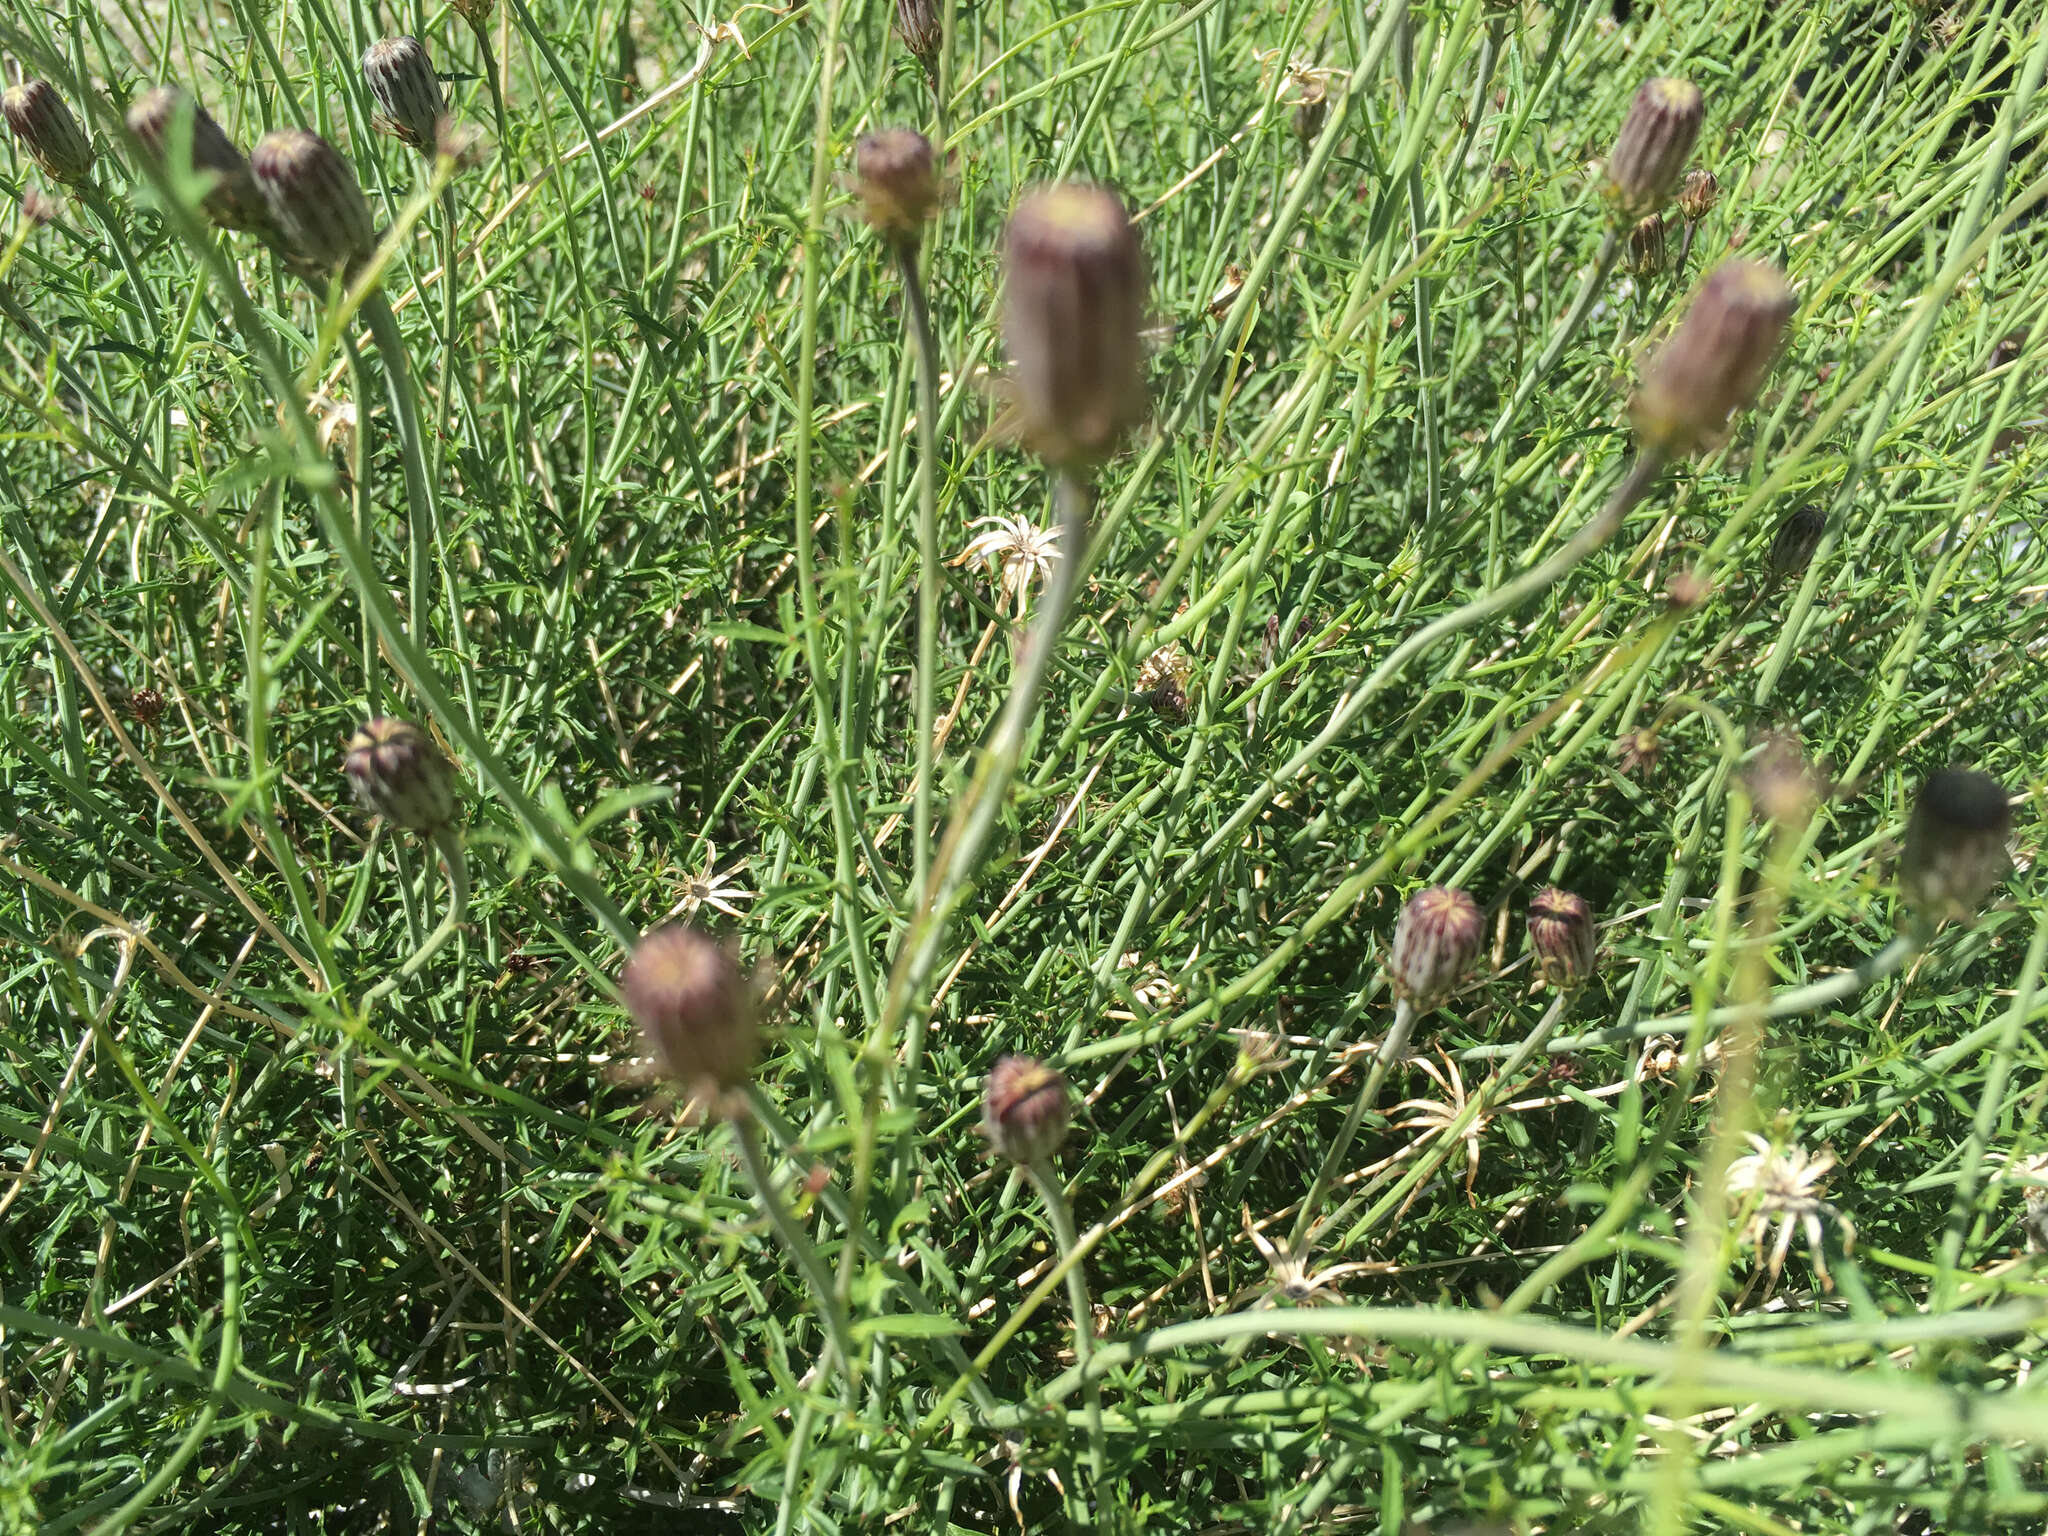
x=801, y=1250
x=110, y=221
x=419, y=493
x=1391, y=1050
x=449, y=842
x=1061, y=1215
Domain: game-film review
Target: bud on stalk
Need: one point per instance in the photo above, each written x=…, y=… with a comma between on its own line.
x=922, y=32
x=897, y=182
x=1698, y=195
x=48, y=131
x=1646, y=246
x=1955, y=844
x=694, y=1008
x=398, y=773
x=1655, y=141
x=1436, y=940
x=1792, y=546
x=401, y=78
x=232, y=202
x=1563, y=935
x=314, y=198
x=1025, y=1110
x=1073, y=307
x=1715, y=362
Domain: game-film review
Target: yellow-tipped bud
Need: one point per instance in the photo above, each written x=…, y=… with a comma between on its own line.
x=1435, y=942
x=1025, y=1109
x=1715, y=362
x=48, y=131
x=1655, y=141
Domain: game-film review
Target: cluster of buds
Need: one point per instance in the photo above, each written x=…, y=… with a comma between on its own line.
x=1073, y=311
x=1655, y=141
x=1955, y=845
x=897, y=178
x=314, y=199
x=695, y=1010
x=232, y=200
x=1716, y=361
x=49, y=132
x=398, y=773
x=401, y=78
x=1025, y=1110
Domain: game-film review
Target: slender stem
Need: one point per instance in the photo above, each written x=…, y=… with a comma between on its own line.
x=1061, y=1215
x=801, y=1250
x=490, y=63
x=110, y=221
x=1391, y=1050
x=449, y=842
x=1560, y=338
x=1804, y=999
x=419, y=494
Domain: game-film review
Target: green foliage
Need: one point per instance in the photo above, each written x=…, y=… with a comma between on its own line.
x=297, y=1236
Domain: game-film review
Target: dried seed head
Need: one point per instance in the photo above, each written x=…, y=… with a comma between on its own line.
x=1715, y=362
x=232, y=201
x=1955, y=844
x=694, y=1008
x=1792, y=546
x=1651, y=150
x=1436, y=940
x=897, y=181
x=48, y=131
x=1563, y=935
x=313, y=197
x=1025, y=1110
x=401, y=78
x=146, y=706
x=923, y=32
x=398, y=773
x=1646, y=246
x=1074, y=303
x=1698, y=194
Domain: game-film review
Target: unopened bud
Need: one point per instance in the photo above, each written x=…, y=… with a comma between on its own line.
x=1310, y=113
x=48, y=131
x=401, y=78
x=1698, y=194
x=398, y=773
x=1025, y=1109
x=1646, y=246
x=897, y=181
x=694, y=1008
x=313, y=197
x=1792, y=546
x=1563, y=935
x=1715, y=362
x=922, y=32
x=1073, y=308
x=475, y=12
x=1655, y=141
x=1436, y=940
x=1955, y=844
x=232, y=201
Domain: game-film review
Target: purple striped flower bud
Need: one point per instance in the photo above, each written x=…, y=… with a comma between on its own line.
x=922, y=32
x=1025, y=1109
x=401, y=78
x=48, y=131
x=1435, y=942
x=1563, y=935
x=1955, y=844
x=1716, y=361
x=314, y=197
x=1655, y=141
x=398, y=773
x=694, y=1008
x=232, y=201
x=1698, y=194
x=1073, y=308
x=1646, y=246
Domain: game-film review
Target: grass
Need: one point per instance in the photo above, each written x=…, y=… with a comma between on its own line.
x=295, y=1238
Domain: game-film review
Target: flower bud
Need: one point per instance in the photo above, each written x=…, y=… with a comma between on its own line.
x=1792, y=546
x=694, y=1008
x=1715, y=362
x=48, y=131
x=1310, y=113
x=1563, y=935
x=1646, y=246
x=1651, y=150
x=1698, y=194
x=475, y=12
x=1074, y=303
x=1024, y=1109
x=398, y=773
x=232, y=201
x=923, y=32
x=1955, y=844
x=313, y=197
x=401, y=78
x=897, y=182
x=1435, y=942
